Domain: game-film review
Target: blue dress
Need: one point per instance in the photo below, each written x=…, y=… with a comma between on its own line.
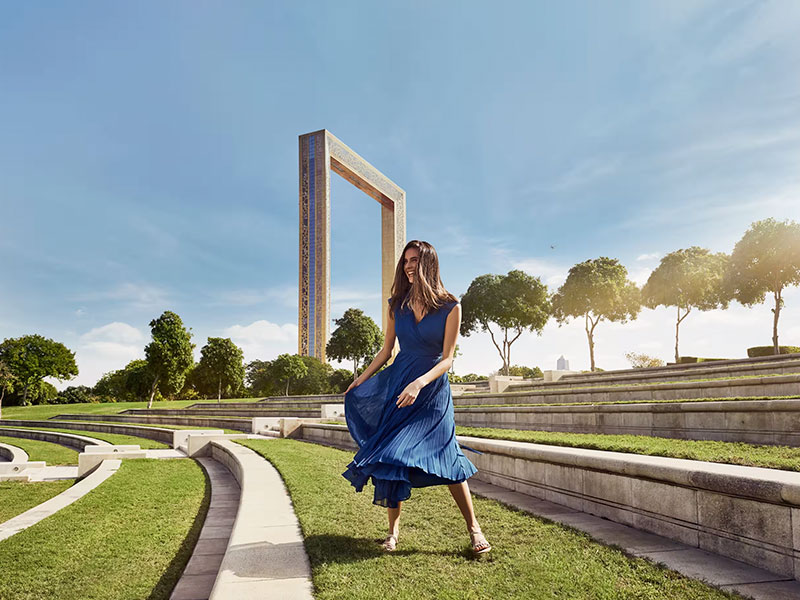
x=413, y=446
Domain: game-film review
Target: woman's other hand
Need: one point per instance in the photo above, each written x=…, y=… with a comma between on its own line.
x=409, y=394
x=355, y=384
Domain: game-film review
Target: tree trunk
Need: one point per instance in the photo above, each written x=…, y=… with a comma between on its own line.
x=25, y=395
x=219, y=391
x=589, y=335
x=355, y=369
x=507, y=348
x=287, y=386
x=2, y=395
x=776, y=313
x=152, y=393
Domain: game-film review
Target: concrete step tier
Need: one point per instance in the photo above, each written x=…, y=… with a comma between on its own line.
x=288, y=403
x=158, y=434
x=773, y=422
x=745, y=513
x=223, y=412
x=243, y=424
x=783, y=363
x=779, y=385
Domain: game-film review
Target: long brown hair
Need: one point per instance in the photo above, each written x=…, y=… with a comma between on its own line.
x=427, y=291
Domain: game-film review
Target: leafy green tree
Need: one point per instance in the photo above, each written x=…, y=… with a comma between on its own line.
x=125, y=385
x=76, y=394
x=597, y=290
x=514, y=303
x=169, y=355
x=317, y=378
x=261, y=378
x=340, y=380
x=355, y=338
x=686, y=279
x=31, y=358
x=221, y=365
x=287, y=367
x=766, y=260
x=7, y=383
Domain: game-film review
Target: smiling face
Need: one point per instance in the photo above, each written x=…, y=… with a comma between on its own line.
x=410, y=263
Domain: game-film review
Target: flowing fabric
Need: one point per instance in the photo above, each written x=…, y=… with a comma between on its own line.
x=413, y=446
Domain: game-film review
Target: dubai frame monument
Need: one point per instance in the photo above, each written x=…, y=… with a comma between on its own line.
x=321, y=152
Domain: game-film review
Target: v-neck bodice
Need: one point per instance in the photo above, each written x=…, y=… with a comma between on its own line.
x=423, y=337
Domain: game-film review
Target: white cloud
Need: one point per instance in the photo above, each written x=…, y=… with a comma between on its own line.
x=264, y=340
x=550, y=273
x=135, y=295
x=650, y=256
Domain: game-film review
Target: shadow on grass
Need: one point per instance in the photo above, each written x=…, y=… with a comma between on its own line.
x=168, y=581
x=342, y=549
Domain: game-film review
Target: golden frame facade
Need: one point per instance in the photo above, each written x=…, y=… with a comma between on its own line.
x=321, y=152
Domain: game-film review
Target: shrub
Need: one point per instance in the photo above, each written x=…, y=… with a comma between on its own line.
x=526, y=372
x=639, y=360
x=770, y=350
x=76, y=394
x=684, y=360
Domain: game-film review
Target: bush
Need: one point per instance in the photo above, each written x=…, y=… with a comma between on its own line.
x=770, y=350
x=639, y=360
x=76, y=394
x=685, y=360
x=526, y=372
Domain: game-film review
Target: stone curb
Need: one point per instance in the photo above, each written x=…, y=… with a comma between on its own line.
x=71, y=440
x=265, y=557
x=238, y=424
x=13, y=454
x=159, y=434
x=65, y=498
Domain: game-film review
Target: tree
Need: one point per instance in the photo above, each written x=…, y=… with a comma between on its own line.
x=31, y=358
x=7, y=383
x=355, y=338
x=765, y=260
x=261, y=378
x=643, y=361
x=686, y=279
x=340, y=380
x=76, y=394
x=597, y=289
x=526, y=372
x=169, y=355
x=515, y=302
x=317, y=378
x=125, y=385
x=287, y=367
x=221, y=365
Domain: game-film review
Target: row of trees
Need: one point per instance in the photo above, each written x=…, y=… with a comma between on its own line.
x=765, y=261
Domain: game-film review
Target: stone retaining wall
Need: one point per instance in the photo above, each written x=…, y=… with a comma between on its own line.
x=151, y=433
x=745, y=513
x=71, y=440
x=237, y=424
x=222, y=412
x=774, y=422
x=779, y=385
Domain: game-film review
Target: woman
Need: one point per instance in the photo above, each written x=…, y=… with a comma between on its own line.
x=402, y=418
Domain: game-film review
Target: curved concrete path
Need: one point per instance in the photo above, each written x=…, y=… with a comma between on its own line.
x=65, y=498
x=9, y=453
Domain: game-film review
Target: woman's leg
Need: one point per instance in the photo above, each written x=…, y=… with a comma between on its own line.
x=394, y=519
x=460, y=493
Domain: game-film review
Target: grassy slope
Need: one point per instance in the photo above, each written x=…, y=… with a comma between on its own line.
x=50, y=452
x=18, y=496
x=736, y=453
x=128, y=539
x=532, y=559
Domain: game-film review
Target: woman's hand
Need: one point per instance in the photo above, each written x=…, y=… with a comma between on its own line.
x=409, y=395
x=355, y=384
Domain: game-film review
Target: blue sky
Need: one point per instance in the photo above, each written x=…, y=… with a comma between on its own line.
x=149, y=158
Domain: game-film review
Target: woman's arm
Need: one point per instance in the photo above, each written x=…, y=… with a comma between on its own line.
x=382, y=356
x=451, y=328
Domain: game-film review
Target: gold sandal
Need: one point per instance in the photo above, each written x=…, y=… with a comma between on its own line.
x=390, y=543
x=479, y=543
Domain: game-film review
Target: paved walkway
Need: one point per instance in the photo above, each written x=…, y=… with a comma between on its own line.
x=726, y=573
x=203, y=567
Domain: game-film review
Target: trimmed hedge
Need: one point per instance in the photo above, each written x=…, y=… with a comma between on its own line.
x=770, y=350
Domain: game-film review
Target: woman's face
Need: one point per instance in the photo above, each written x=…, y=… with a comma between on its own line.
x=410, y=262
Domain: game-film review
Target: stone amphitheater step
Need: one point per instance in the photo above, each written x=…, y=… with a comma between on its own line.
x=769, y=365
x=224, y=412
x=778, y=385
x=770, y=421
x=219, y=422
x=288, y=403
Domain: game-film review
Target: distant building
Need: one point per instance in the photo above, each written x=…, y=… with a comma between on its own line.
x=562, y=364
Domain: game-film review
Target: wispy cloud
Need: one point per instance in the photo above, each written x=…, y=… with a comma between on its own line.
x=139, y=296
x=650, y=256
x=551, y=273
x=264, y=340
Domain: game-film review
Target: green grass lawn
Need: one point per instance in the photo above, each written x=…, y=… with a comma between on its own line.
x=735, y=453
x=50, y=452
x=532, y=559
x=111, y=438
x=128, y=539
x=18, y=496
x=46, y=411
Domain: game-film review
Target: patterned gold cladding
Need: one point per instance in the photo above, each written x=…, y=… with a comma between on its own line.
x=321, y=152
